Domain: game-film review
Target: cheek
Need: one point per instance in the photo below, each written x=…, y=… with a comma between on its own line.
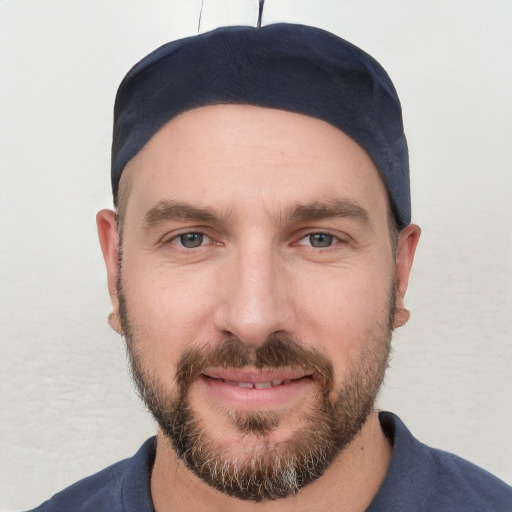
x=359, y=289
x=344, y=311
x=168, y=311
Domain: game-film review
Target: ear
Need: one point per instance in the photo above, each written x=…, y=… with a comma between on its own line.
x=406, y=247
x=107, y=232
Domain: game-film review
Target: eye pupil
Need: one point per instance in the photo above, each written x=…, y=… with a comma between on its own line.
x=321, y=240
x=191, y=240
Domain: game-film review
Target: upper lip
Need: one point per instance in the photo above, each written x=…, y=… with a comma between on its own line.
x=254, y=375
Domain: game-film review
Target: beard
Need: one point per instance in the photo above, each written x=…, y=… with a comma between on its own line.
x=269, y=469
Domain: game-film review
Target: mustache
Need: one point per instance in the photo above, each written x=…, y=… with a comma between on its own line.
x=278, y=351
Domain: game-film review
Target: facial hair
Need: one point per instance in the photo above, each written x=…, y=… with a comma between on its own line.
x=270, y=470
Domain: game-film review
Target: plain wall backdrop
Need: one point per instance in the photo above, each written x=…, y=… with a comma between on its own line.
x=67, y=405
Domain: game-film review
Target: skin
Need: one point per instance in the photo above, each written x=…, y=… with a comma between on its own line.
x=257, y=273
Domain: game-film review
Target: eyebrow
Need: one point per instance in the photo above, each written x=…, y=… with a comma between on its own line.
x=167, y=210
x=328, y=209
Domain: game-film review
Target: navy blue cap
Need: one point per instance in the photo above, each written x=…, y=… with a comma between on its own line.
x=284, y=66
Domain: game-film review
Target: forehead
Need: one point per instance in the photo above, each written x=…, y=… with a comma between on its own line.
x=246, y=157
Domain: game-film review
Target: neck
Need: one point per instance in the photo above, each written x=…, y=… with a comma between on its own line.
x=349, y=484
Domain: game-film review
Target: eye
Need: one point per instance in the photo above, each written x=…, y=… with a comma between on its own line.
x=319, y=240
x=191, y=240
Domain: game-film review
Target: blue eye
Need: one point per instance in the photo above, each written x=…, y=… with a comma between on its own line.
x=320, y=240
x=192, y=240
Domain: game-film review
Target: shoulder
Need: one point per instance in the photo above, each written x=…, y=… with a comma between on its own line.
x=123, y=486
x=424, y=479
x=90, y=493
x=453, y=478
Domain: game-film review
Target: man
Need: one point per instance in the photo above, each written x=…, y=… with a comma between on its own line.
x=257, y=263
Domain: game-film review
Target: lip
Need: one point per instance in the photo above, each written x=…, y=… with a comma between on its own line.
x=253, y=375
x=255, y=390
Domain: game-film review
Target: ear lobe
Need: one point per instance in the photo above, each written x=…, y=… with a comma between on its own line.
x=401, y=316
x=114, y=320
x=107, y=233
x=406, y=248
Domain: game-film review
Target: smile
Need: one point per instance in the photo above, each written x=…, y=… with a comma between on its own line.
x=257, y=385
x=255, y=389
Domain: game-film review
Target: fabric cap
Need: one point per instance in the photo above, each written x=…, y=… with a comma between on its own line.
x=284, y=66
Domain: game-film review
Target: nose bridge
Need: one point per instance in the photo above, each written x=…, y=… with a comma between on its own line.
x=255, y=303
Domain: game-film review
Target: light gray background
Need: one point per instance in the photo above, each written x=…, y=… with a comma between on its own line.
x=67, y=406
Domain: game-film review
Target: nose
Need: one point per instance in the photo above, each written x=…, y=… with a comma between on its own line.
x=256, y=299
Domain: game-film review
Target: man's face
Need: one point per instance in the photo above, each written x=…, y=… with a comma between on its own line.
x=256, y=292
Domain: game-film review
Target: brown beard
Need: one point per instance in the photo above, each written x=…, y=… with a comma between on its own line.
x=271, y=470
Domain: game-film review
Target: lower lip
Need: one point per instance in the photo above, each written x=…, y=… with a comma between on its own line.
x=252, y=399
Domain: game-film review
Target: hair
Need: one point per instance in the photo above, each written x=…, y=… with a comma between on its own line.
x=120, y=202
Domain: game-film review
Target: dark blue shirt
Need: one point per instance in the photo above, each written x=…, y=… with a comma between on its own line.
x=419, y=479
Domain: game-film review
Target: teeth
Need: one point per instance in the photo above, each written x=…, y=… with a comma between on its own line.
x=263, y=385
x=258, y=385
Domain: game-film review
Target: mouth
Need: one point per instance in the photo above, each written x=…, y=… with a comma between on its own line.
x=259, y=385
x=255, y=389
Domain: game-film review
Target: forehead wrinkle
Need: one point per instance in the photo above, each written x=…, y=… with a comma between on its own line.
x=171, y=210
